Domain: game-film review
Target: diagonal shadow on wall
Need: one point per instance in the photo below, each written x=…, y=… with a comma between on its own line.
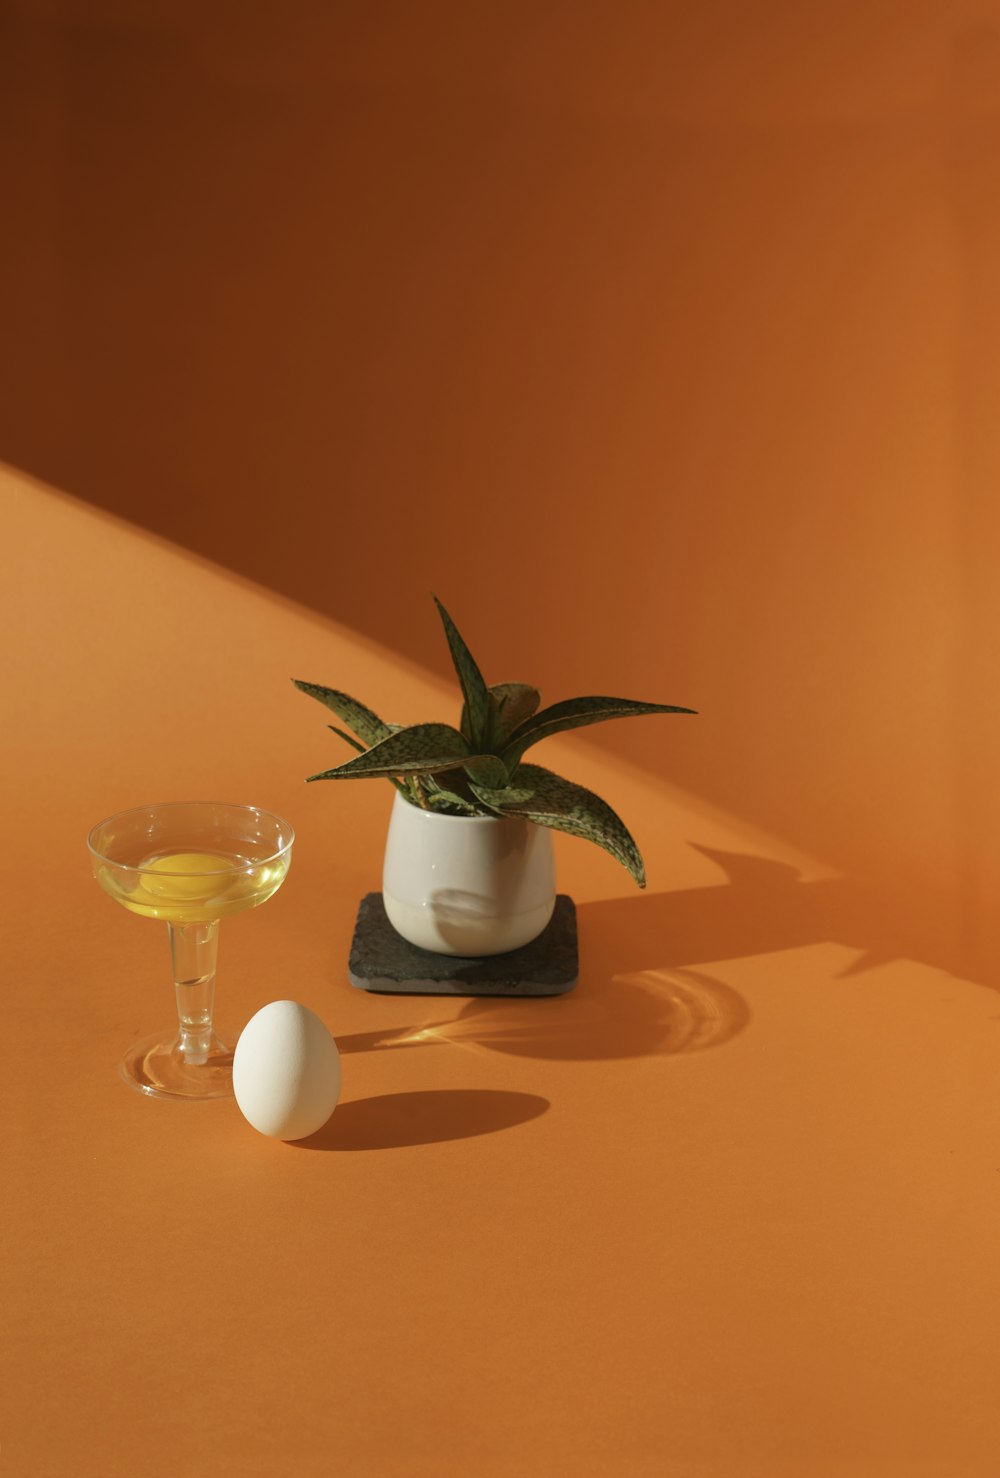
x=635, y=375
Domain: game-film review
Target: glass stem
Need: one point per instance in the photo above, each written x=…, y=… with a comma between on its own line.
x=193, y=951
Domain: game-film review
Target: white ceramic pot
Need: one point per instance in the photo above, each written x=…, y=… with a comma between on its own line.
x=467, y=885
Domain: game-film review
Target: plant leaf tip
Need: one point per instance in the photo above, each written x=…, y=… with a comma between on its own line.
x=477, y=768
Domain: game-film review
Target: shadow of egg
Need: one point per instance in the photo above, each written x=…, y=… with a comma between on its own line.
x=399, y=1120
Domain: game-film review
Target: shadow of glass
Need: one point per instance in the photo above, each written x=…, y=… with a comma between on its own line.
x=642, y=989
x=626, y=1015
x=624, y=1005
x=398, y=1120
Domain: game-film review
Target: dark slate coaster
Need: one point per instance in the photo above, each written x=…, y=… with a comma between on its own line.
x=382, y=960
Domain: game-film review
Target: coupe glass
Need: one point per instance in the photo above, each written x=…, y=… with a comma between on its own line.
x=191, y=864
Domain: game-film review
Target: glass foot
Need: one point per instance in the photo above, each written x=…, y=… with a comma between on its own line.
x=157, y=1067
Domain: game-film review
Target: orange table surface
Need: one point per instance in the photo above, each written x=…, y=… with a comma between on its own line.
x=729, y=1208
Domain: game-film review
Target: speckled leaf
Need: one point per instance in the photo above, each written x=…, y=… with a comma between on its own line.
x=497, y=797
x=441, y=798
x=455, y=782
x=463, y=724
x=347, y=738
x=574, y=713
x=567, y=807
x=422, y=749
x=404, y=789
x=474, y=690
x=486, y=769
x=513, y=704
x=510, y=705
x=367, y=725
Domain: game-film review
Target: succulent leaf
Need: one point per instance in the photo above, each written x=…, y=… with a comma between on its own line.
x=347, y=738
x=514, y=703
x=361, y=720
x=474, y=689
x=560, y=804
x=485, y=769
x=477, y=769
x=456, y=781
x=499, y=798
x=575, y=713
x=404, y=787
x=466, y=727
x=441, y=798
x=422, y=749
x=510, y=705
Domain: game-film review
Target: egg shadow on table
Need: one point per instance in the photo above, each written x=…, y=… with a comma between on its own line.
x=432, y=1116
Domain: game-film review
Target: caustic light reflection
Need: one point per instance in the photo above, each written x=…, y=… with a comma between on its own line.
x=646, y=1012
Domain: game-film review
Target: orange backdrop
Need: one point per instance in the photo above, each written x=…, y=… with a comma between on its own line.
x=659, y=340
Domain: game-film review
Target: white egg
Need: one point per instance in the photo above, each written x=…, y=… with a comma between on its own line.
x=286, y=1071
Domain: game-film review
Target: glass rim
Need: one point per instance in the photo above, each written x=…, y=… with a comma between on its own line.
x=178, y=805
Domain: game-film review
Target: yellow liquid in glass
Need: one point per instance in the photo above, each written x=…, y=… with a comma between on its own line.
x=193, y=887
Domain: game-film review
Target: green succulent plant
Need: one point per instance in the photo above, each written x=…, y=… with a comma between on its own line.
x=478, y=769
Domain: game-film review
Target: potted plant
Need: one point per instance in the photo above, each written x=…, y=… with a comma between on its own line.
x=468, y=863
